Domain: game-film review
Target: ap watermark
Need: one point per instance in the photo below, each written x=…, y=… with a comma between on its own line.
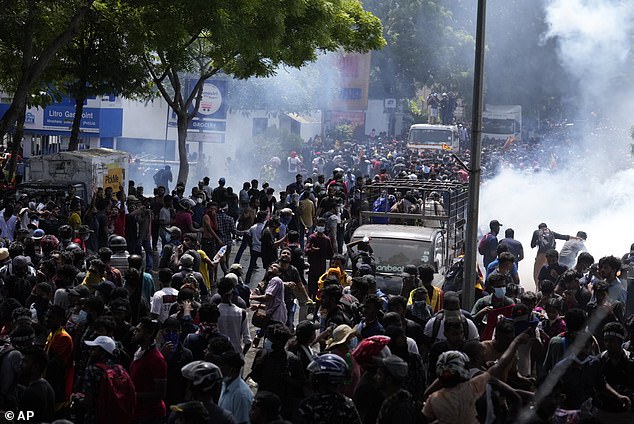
x=19, y=415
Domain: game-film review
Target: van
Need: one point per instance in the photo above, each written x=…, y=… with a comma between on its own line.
x=396, y=246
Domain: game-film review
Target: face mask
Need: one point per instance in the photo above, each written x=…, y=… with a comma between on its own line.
x=199, y=200
x=500, y=292
x=82, y=317
x=320, y=229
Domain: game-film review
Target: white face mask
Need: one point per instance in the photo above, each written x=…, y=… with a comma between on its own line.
x=320, y=229
x=199, y=200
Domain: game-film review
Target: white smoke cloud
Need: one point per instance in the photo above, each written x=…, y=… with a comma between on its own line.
x=568, y=201
x=593, y=40
x=593, y=194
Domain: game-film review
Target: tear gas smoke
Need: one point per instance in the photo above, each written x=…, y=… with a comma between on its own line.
x=593, y=194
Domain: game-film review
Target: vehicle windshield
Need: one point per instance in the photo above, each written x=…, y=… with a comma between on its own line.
x=429, y=136
x=391, y=255
x=498, y=126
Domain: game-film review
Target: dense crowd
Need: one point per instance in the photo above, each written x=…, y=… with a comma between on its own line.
x=138, y=309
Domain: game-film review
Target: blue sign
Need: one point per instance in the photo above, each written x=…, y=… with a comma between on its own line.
x=62, y=116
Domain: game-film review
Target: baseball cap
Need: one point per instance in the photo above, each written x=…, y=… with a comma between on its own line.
x=104, y=342
x=495, y=223
x=38, y=234
x=4, y=253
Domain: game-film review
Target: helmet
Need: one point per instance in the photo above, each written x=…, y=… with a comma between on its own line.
x=65, y=232
x=203, y=375
x=333, y=368
x=371, y=351
x=117, y=243
x=72, y=247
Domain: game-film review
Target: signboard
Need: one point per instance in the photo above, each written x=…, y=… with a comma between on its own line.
x=210, y=121
x=354, y=81
x=56, y=116
x=113, y=179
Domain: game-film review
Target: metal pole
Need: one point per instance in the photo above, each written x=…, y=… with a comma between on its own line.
x=470, y=262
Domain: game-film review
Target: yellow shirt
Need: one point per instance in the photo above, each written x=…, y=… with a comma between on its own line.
x=203, y=268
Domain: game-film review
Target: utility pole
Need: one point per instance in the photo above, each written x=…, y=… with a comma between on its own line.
x=470, y=260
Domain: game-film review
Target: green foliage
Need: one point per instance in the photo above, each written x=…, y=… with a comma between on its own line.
x=417, y=108
x=276, y=142
x=342, y=131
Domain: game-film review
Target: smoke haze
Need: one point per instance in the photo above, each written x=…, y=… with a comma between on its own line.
x=592, y=194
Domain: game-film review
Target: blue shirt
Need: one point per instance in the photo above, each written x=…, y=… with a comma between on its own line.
x=236, y=397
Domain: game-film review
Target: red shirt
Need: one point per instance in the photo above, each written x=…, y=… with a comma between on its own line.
x=60, y=344
x=143, y=371
x=183, y=220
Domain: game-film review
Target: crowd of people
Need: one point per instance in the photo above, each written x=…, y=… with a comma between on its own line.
x=138, y=309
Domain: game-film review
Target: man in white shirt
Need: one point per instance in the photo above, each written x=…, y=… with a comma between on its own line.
x=163, y=300
x=233, y=321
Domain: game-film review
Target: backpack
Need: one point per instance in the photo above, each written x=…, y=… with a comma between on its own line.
x=545, y=239
x=116, y=396
x=438, y=320
x=482, y=246
x=190, y=282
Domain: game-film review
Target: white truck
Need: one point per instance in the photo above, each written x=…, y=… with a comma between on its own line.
x=433, y=137
x=500, y=122
x=92, y=168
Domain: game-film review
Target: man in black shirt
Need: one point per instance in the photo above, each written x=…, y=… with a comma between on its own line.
x=38, y=396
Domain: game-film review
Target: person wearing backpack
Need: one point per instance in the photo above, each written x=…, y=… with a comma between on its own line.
x=149, y=374
x=489, y=243
x=107, y=393
x=544, y=239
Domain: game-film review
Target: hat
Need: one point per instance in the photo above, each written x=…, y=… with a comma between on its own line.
x=187, y=261
x=396, y=367
x=187, y=203
x=38, y=234
x=104, y=342
x=632, y=248
x=132, y=198
x=542, y=225
x=84, y=229
x=4, y=254
x=287, y=211
x=221, y=180
x=308, y=185
x=364, y=269
x=495, y=223
x=172, y=229
x=20, y=260
x=235, y=267
x=340, y=335
x=80, y=290
x=232, y=359
x=409, y=271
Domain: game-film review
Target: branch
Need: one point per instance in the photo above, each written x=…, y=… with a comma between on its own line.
x=159, y=84
x=49, y=53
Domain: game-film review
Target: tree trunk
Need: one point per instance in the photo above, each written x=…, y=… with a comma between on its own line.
x=15, y=144
x=182, y=122
x=79, y=110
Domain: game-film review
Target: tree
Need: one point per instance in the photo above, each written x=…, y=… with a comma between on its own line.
x=242, y=39
x=101, y=59
x=31, y=33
